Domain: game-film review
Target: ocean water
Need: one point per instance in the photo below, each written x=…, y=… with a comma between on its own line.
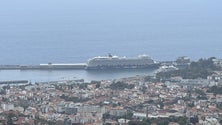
x=72, y=31
x=59, y=75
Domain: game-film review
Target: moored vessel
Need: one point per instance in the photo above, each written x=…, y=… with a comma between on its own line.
x=115, y=62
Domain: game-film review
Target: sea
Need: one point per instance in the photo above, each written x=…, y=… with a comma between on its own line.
x=72, y=31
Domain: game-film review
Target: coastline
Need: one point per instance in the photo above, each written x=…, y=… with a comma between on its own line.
x=87, y=75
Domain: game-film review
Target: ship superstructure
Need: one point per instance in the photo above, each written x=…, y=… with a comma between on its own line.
x=106, y=62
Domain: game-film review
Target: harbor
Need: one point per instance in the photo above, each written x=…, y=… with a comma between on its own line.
x=98, y=68
x=100, y=62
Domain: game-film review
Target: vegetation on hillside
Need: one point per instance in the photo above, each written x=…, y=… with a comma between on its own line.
x=74, y=99
x=200, y=69
x=215, y=90
x=160, y=121
x=121, y=85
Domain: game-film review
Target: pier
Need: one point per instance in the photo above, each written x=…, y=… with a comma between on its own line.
x=48, y=66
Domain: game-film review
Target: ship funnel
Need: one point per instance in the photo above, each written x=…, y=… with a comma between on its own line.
x=110, y=55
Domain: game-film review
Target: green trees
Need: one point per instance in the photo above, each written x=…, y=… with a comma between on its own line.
x=9, y=119
x=160, y=121
x=151, y=79
x=83, y=86
x=200, y=69
x=73, y=99
x=139, y=123
x=98, y=85
x=121, y=85
x=215, y=89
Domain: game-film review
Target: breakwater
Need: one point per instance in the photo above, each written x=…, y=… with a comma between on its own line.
x=49, y=66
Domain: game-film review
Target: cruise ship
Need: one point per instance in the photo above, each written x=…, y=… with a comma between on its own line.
x=115, y=62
